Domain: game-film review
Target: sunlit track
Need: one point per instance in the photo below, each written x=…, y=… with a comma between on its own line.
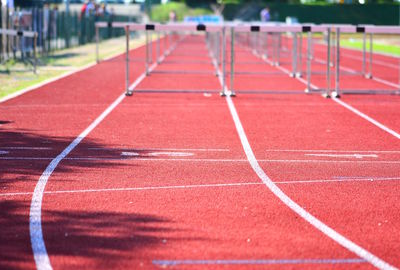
x=173, y=175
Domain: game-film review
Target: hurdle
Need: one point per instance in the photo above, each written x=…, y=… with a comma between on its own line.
x=23, y=34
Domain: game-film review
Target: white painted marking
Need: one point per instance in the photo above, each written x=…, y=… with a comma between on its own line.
x=3, y=152
x=359, y=156
x=170, y=154
x=36, y=86
x=136, y=188
x=333, y=151
x=35, y=216
x=375, y=61
x=159, y=154
x=130, y=154
x=353, y=71
x=378, y=62
x=347, y=179
x=26, y=148
x=366, y=117
x=162, y=149
x=340, y=239
x=209, y=160
x=394, y=85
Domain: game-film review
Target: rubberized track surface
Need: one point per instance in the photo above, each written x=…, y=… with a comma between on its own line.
x=163, y=180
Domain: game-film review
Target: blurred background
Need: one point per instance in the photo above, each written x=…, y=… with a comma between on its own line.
x=64, y=24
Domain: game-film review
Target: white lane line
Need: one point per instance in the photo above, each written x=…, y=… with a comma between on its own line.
x=333, y=151
x=337, y=237
x=353, y=71
x=136, y=188
x=288, y=182
x=394, y=85
x=133, y=159
x=36, y=86
x=345, y=54
x=359, y=156
x=2, y=152
x=366, y=117
x=378, y=62
x=161, y=149
x=35, y=216
x=24, y=148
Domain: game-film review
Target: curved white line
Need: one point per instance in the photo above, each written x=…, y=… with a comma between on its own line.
x=35, y=215
x=340, y=239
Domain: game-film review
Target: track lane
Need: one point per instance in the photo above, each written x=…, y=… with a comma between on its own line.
x=193, y=223
x=325, y=126
x=29, y=122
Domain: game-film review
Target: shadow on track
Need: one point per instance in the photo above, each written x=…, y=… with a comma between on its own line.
x=103, y=236
x=25, y=155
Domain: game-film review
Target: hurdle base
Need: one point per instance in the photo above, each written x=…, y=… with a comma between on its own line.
x=335, y=94
x=326, y=95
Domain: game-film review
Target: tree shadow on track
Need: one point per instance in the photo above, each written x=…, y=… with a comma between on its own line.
x=25, y=155
x=100, y=238
x=104, y=237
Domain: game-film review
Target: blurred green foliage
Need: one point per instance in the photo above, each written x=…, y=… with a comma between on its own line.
x=160, y=13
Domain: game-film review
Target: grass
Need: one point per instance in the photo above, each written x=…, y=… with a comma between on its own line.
x=380, y=46
x=16, y=76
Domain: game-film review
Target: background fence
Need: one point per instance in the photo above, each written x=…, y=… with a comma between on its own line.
x=56, y=30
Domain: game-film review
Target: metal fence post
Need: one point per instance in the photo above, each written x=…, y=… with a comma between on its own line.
x=337, y=67
x=158, y=48
x=369, y=75
x=294, y=55
x=223, y=92
x=232, y=60
x=309, y=58
x=364, y=54
x=147, y=52
x=328, y=66
x=128, y=91
x=300, y=64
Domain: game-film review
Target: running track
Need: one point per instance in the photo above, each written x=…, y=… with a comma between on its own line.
x=164, y=181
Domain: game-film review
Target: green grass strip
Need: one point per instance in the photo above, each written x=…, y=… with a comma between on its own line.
x=377, y=46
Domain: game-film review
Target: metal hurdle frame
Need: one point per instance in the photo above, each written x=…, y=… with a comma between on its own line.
x=276, y=30
x=366, y=30
x=166, y=28
x=218, y=54
x=22, y=34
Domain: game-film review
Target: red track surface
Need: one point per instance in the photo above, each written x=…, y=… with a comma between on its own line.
x=164, y=176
